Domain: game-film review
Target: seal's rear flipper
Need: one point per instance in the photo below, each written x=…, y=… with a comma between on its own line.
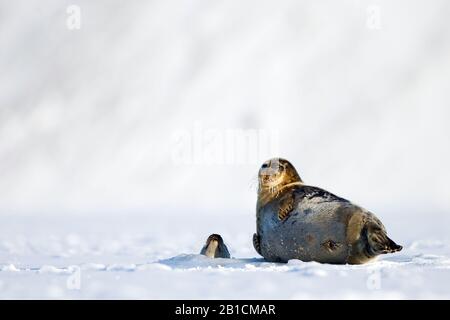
x=379, y=242
x=256, y=243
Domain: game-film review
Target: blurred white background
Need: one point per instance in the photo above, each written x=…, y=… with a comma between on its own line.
x=357, y=92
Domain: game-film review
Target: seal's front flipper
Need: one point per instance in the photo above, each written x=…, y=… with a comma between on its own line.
x=379, y=242
x=285, y=207
x=256, y=243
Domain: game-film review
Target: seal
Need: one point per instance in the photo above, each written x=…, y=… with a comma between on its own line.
x=215, y=247
x=298, y=221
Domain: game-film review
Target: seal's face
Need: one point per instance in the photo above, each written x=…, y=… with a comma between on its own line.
x=212, y=244
x=215, y=247
x=214, y=238
x=276, y=173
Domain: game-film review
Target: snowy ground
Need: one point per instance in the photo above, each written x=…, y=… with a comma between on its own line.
x=142, y=258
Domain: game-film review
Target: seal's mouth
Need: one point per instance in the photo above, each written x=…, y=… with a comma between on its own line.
x=270, y=179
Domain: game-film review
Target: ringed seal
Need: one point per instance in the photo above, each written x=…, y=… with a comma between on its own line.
x=298, y=221
x=215, y=247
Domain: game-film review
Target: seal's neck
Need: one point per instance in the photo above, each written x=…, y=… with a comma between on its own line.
x=211, y=249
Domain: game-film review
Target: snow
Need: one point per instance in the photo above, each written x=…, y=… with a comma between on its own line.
x=141, y=259
x=90, y=191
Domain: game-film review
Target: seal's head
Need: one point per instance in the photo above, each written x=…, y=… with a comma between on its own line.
x=276, y=173
x=215, y=247
x=275, y=176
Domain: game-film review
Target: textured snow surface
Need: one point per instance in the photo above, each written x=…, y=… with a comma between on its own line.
x=141, y=258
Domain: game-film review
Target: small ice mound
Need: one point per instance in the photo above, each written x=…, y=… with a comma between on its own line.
x=189, y=261
x=301, y=264
x=198, y=261
x=398, y=259
x=428, y=260
x=426, y=244
x=121, y=267
x=295, y=262
x=308, y=269
x=10, y=268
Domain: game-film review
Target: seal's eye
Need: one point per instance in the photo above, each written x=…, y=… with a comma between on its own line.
x=265, y=165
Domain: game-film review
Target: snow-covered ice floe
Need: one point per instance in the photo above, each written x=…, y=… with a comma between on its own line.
x=422, y=270
x=142, y=260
